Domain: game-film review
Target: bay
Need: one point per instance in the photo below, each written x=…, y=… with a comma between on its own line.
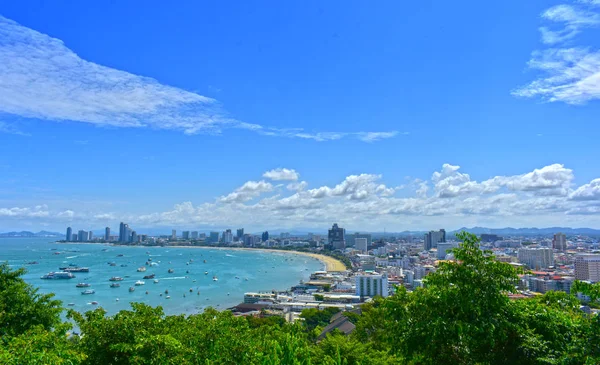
x=237, y=272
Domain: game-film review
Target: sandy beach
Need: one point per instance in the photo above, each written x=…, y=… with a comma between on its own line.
x=330, y=263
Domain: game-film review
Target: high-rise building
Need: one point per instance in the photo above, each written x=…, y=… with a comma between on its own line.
x=134, y=237
x=351, y=239
x=90, y=236
x=536, y=258
x=122, y=237
x=173, y=235
x=82, y=236
x=559, y=242
x=227, y=236
x=107, y=234
x=337, y=237
x=69, y=236
x=239, y=234
x=185, y=235
x=214, y=237
x=250, y=240
x=587, y=267
x=265, y=236
x=443, y=249
x=128, y=232
x=361, y=244
x=372, y=285
x=194, y=235
x=432, y=238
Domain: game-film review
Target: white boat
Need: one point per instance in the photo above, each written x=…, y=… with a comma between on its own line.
x=155, y=281
x=168, y=297
x=58, y=275
x=88, y=292
x=139, y=282
x=215, y=278
x=131, y=288
x=141, y=269
x=116, y=278
x=206, y=273
x=83, y=285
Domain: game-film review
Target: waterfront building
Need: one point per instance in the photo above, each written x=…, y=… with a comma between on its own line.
x=337, y=237
x=239, y=234
x=265, y=236
x=432, y=238
x=173, y=235
x=185, y=235
x=107, y=234
x=82, y=236
x=128, y=232
x=122, y=232
x=194, y=235
x=361, y=244
x=214, y=237
x=559, y=242
x=371, y=285
x=227, y=236
x=134, y=237
x=69, y=236
x=536, y=258
x=90, y=236
x=587, y=267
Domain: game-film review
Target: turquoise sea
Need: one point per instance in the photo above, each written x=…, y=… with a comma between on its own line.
x=264, y=271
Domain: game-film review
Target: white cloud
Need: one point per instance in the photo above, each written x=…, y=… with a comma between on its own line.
x=589, y=191
x=42, y=78
x=376, y=136
x=280, y=174
x=297, y=186
x=11, y=129
x=246, y=192
x=567, y=74
x=543, y=197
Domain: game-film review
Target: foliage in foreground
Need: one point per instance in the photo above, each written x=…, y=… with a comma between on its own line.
x=463, y=316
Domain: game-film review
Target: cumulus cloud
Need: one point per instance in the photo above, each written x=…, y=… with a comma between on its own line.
x=280, y=174
x=589, y=191
x=42, y=78
x=246, y=192
x=543, y=196
x=567, y=74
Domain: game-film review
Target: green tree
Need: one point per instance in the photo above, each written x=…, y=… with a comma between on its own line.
x=22, y=307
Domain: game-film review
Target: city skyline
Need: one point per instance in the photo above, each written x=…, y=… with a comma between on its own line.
x=166, y=121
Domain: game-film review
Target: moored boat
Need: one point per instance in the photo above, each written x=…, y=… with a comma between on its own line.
x=139, y=282
x=115, y=285
x=88, y=292
x=131, y=288
x=116, y=278
x=141, y=269
x=58, y=275
x=149, y=276
x=82, y=285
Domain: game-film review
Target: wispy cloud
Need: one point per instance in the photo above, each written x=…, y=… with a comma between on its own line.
x=42, y=78
x=568, y=74
x=11, y=129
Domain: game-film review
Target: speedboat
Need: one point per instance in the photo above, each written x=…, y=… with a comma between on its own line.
x=116, y=278
x=115, y=285
x=206, y=273
x=88, y=292
x=141, y=269
x=149, y=276
x=75, y=269
x=131, y=288
x=139, y=282
x=168, y=297
x=94, y=302
x=215, y=278
x=171, y=271
x=82, y=285
x=155, y=281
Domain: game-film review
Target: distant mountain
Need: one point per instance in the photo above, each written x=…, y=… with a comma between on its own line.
x=31, y=234
x=509, y=231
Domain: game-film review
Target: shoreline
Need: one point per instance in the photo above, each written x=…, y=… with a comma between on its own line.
x=331, y=264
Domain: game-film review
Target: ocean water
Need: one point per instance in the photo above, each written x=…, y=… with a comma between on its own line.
x=265, y=271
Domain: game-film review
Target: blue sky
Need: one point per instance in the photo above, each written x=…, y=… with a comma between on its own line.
x=155, y=114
